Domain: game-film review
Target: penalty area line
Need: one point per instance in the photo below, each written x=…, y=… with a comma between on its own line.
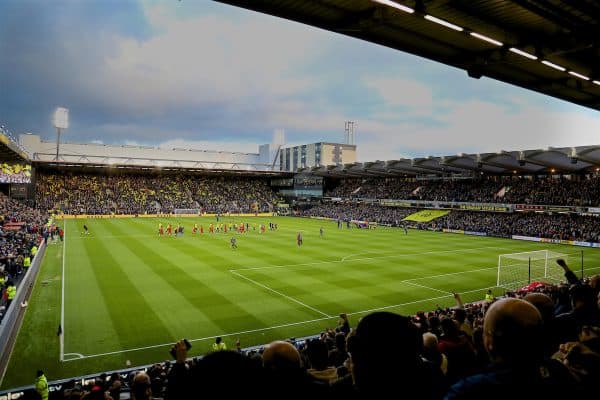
x=346, y=258
x=417, y=254
x=416, y=301
x=426, y=287
x=280, y=294
x=450, y=274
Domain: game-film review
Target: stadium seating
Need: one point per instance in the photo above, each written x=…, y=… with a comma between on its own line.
x=138, y=194
x=23, y=226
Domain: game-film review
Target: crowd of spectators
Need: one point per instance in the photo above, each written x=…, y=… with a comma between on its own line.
x=360, y=212
x=510, y=190
x=552, y=226
x=375, y=188
x=21, y=229
x=163, y=193
x=555, y=226
x=74, y=193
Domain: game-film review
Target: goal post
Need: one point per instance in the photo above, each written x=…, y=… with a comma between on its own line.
x=518, y=269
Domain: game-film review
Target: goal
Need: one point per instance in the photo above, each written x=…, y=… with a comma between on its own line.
x=518, y=269
x=194, y=211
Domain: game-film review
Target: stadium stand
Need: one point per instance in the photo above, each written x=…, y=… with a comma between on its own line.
x=562, y=191
x=557, y=226
x=77, y=192
x=21, y=229
x=81, y=193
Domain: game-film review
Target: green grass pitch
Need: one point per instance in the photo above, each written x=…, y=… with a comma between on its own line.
x=129, y=294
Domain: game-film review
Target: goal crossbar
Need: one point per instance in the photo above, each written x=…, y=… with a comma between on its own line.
x=517, y=269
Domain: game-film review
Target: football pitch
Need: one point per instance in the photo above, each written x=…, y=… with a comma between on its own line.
x=122, y=294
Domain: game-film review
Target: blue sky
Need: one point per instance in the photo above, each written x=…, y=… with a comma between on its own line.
x=205, y=75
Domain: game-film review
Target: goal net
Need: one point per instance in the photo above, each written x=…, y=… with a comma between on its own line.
x=519, y=269
x=195, y=211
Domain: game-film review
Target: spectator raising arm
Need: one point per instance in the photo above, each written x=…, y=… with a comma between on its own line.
x=569, y=274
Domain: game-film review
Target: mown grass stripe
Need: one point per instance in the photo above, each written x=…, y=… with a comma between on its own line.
x=133, y=318
x=204, y=298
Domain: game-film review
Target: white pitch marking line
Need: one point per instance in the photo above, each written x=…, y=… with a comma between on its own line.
x=465, y=272
x=281, y=294
x=426, y=287
x=269, y=328
x=284, y=266
x=418, y=254
x=204, y=338
x=62, y=301
x=364, y=258
x=78, y=355
x=402, y=281
x=359, y=254
x=451, y=273
x=415, y=302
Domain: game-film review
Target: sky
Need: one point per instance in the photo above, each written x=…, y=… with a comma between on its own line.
x=200, y=74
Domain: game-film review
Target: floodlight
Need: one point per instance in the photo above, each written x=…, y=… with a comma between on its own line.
x=61, y=121
x=61, y=118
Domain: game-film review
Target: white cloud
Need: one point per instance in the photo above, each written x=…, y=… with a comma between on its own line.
x=465, y=126
x=155, y=137
x=409, y=94
x=478, y=126
x=206, y=60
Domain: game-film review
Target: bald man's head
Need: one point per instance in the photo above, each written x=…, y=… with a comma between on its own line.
x=141, y=386
x=280, y=355
x=429, y=340
x=513, y=331
x=543, y=303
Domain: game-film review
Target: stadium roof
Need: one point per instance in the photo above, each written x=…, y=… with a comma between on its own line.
x=563, y=160
x=10, y=152
x=549, y=46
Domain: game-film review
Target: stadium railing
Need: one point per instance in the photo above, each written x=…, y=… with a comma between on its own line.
x=9, y=327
